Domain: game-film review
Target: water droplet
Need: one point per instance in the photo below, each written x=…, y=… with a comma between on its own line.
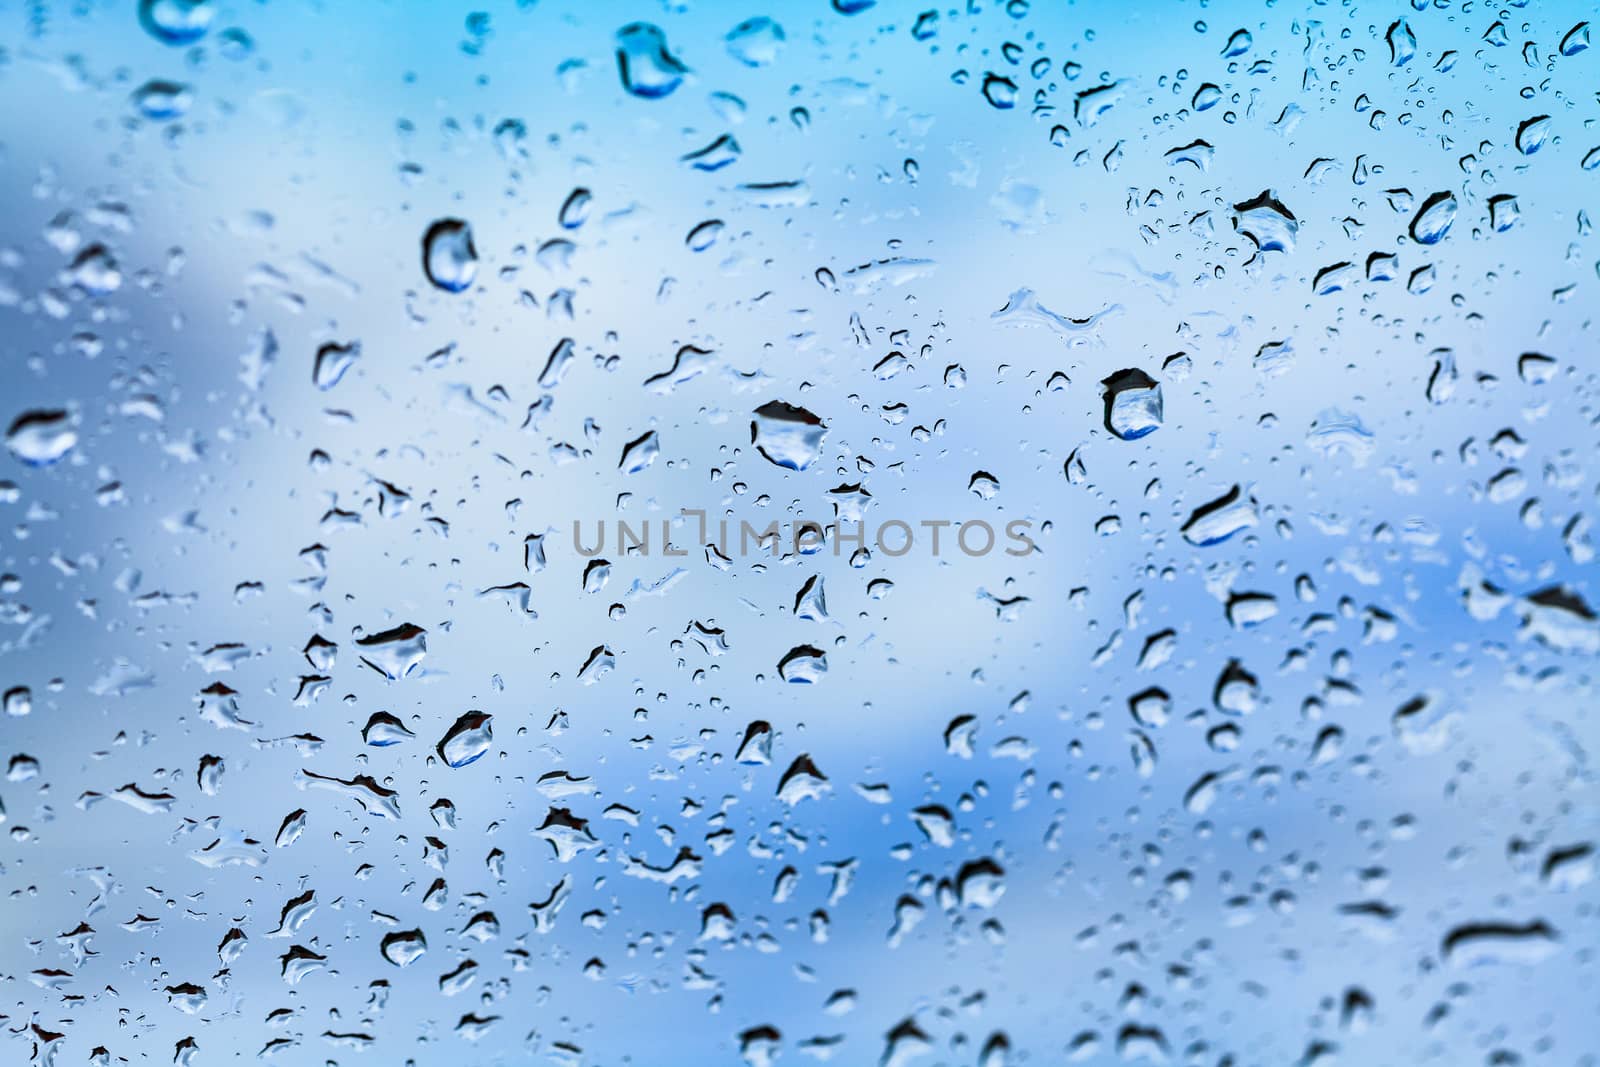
x=600, y=663
x=1560, y=619
x=95, y=271
x=332, y=361
x=575, y=209
x=176, y=22
x=383, y=729
x=714, y=156
x=1576, y=40
x=42, y=437
x=403, y=947
x=756, y=42
x=787, y=436
x=648, y=70
x=1267, y=222
x=1340, y=433
x=802, y=781
x=1402, y=42
x=704, y=235
x=756, y=748
x=1433, y=219
x=161, y=101
x=980, y=883
x=448, y=257
x=936, y=824
x=1483, y=943
x=1133, y=404
x=803, y=664
x=1503, y=212
x=396, y=652
x=1000, y=91
x=1535, y=368
x=1237, y=692
x=18, y=701
x=1532, y=134
x=468, y=738
x=640, y=453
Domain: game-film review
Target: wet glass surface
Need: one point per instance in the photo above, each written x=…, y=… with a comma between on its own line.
x=649, y=534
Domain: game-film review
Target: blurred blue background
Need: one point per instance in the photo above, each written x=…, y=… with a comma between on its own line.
x=1264, y=888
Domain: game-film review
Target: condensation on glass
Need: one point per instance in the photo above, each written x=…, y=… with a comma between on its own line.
x=646, y=534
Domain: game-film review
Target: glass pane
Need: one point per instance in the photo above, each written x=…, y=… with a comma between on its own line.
x=676, y=533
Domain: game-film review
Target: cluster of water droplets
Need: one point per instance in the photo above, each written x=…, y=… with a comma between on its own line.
x=495, y=503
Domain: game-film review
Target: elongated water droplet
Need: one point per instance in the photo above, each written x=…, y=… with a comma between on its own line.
x=1433, y=219
x=43, y=437
x=176, y=22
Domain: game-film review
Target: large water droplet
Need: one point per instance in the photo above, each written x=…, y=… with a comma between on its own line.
x=1402, y=42
x=575, y=209
x=1133, y=404
x=176, y=22
x=1576, y=40
x=802, y=781
x=40, y=438
x=1433, y=219
x=1503, y=212
x=396, y=652
x=160, y=100
x=1000, y=91
x=1532, y=134
x=803, y=664
x=95, y=271
x=1482, y=943
x=383, y=729
x=640, y=453
x=448, y=257
x=18, y=701
x=786, y=435
x=648, y=70
x=332, y=362
x=1267, y=222
x=755, y=42
x=467, y=739
x=404, y=947
x=1218, y=520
